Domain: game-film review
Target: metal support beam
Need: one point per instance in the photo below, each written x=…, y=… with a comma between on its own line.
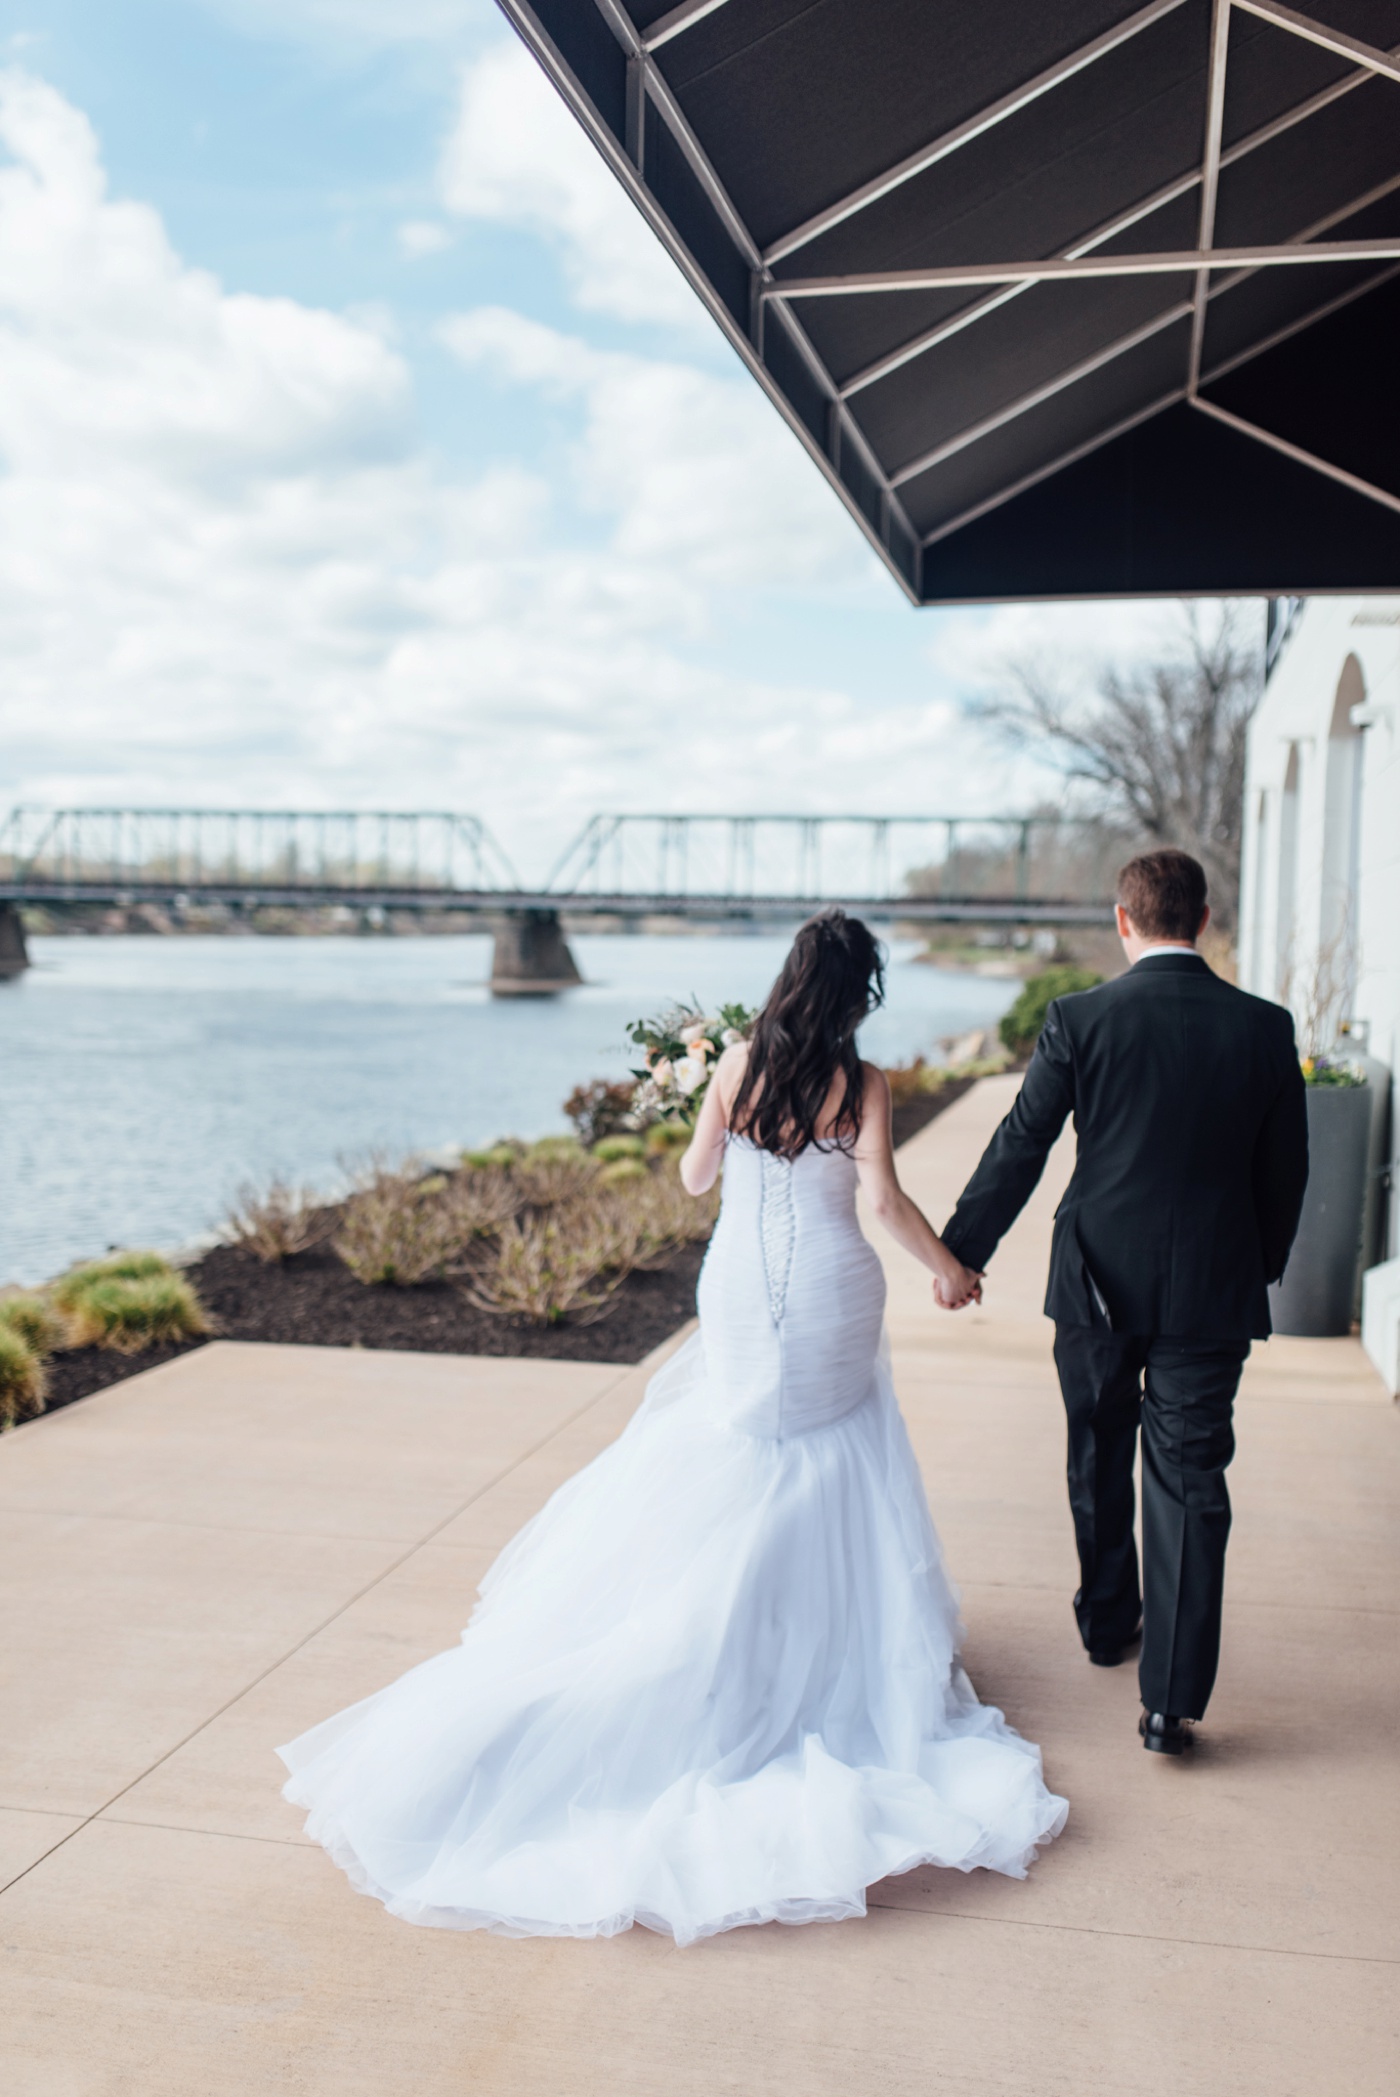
x=1047, y=391
x=1163, y=263
x=1210, y=178
x=679, y=18
x=1333, y=40
x=1298, y=455
x=636, y=120
x=1111, y=228
x=1295, y=327
x=1043, y=473
x=962, y=134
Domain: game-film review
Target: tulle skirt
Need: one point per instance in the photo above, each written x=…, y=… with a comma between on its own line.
x=713, y=1682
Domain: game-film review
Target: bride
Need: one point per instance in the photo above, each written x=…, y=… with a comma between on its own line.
x=715, y=1681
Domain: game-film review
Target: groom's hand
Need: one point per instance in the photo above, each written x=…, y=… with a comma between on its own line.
x=953, y=1291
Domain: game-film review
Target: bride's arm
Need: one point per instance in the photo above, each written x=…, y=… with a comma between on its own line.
x=904, y=1219
x=701, y=1162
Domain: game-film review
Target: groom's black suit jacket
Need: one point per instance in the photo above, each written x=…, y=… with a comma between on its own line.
x=1193, y=1154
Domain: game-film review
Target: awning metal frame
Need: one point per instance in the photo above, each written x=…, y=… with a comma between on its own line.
x=1212, y=269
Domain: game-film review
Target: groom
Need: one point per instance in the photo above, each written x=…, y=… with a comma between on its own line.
x=1192, y=1159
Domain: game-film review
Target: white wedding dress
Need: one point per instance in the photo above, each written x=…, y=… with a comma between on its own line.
x=715, y=1680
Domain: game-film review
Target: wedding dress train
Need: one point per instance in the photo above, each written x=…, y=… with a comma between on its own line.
x=715, y=1680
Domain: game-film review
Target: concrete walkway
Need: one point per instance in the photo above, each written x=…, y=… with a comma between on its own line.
x=202, y=1561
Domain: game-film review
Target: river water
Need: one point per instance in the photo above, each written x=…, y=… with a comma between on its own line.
x=146, y=1079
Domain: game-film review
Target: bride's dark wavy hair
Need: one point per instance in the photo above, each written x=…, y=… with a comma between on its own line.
x=832, y=978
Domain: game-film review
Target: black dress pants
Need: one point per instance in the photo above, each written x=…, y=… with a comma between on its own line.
x=1183, y=1392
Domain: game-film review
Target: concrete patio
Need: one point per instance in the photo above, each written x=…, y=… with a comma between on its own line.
x=203, y=1560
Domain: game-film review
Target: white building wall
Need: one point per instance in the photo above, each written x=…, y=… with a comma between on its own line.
x=1321, y=866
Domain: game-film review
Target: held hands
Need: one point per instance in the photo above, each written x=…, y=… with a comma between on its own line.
x=956, y=1286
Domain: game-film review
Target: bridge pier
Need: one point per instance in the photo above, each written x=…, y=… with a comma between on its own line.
x=14, y=955
x=531, y=957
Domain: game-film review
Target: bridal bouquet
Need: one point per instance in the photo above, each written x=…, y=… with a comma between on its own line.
x=681, y=1047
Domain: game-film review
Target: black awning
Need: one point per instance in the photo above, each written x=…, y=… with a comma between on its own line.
x=959, y=245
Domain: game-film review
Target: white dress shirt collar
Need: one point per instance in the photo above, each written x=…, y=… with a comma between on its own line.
x=1150, y=953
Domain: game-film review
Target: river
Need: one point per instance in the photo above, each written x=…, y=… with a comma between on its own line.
x=146, y=1079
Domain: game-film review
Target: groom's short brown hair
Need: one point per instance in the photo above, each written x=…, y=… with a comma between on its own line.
x=1164, y=893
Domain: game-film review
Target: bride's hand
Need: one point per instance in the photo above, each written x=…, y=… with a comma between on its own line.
x=957, y=1286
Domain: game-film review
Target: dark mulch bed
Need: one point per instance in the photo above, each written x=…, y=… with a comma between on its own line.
x=918, y=1113
x=312, y=1300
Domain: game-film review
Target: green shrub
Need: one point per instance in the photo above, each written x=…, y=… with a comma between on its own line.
x=548, y=1148
x=132, y=1312
x=667, y=1137
x=622, y=1172
x=68, y=1290
x=43, y=1329
x=21, y=1379
x=612, y=1148
x=1020, y=1028
x=499, y=1157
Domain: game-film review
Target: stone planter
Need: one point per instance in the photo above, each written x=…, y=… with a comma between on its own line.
x=1317, y=1296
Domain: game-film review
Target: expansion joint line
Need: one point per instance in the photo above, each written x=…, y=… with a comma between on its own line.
x=384, y=1573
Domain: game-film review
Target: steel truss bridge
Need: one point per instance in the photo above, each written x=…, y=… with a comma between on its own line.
x=1019, y=870
x=1010, y=870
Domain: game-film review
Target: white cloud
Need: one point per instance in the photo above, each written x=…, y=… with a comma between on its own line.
x=424, y=236
x=230, y=572
x=703, y=480
x=365, y=23
x=517, y=157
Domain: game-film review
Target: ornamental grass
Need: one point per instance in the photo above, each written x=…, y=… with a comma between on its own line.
x=41, y=1326
x=129, y=1313
x=480, y=1201
x=276, y=1224
x=119, y=1266
x=551, y=1268
x=21, y=1379
x=551, y=1177
x=669, y=1218
x=392, y=1231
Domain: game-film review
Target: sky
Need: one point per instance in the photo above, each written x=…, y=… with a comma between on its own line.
x=360, y=447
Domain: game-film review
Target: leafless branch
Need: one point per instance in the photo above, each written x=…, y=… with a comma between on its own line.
x=1160, y=750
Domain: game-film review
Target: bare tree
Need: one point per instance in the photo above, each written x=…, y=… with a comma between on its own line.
x=1160, y=750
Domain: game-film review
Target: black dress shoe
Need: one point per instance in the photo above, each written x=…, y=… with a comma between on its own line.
x=1114, y=1656
x=1164, y=1735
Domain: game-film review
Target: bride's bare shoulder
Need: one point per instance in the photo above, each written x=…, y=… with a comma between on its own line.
x=874, y=1109
x=729, y=1071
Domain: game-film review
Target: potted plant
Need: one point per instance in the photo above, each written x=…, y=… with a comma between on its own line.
x=1317, y=1296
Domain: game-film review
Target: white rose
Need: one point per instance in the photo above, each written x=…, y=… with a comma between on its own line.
x=662, y=1072
x=690, y=1072
x=731, y=1037
x=691, y=1034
